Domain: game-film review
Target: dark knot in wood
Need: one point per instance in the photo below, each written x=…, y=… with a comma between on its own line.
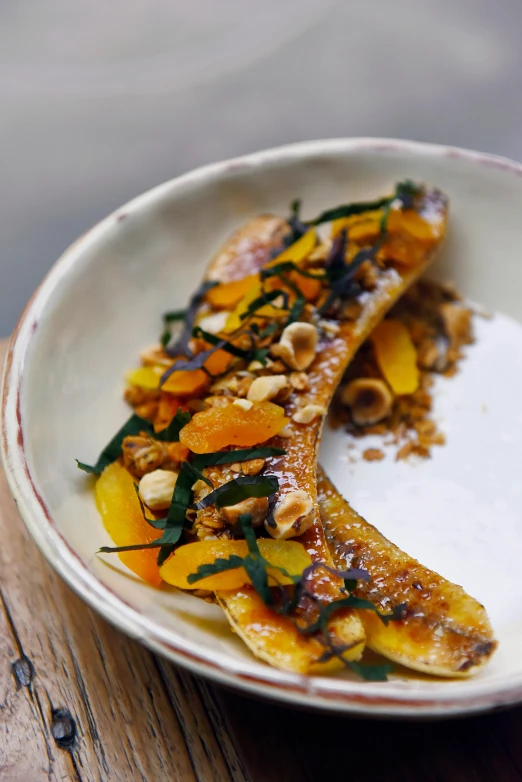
x=63, y=727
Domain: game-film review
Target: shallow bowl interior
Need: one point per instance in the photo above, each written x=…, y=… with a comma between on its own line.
x=102, y=302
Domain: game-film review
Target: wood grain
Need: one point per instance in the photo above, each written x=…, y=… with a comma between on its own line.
x=79, y=701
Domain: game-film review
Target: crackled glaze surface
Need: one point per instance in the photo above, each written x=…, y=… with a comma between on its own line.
x=459, y=513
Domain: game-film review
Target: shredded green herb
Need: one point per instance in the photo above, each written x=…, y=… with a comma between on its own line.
x=238, y=489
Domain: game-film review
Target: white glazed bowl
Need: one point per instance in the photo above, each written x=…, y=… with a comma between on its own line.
x=459, y=513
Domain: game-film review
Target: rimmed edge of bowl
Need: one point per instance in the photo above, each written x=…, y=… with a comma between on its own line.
x=332, y=694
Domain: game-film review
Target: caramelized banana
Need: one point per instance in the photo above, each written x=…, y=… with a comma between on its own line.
x=296, y=470
x=444, y=632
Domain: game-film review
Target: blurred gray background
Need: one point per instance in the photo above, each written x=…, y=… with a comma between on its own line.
x=100, y=101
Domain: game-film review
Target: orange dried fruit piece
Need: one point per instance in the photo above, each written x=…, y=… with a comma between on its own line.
x=227, y=295
x=289, y=555
x=219, y=427
x=120, y=510
x=396, y=356
x=218, y=362
x=186, y=382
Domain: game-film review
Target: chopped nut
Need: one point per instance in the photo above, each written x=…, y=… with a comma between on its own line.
x=307, y=414
x=214, y=323
x=156, y=488
x=286, y=431
x=271, y=387
x=293, y=515
x=275, y=367
x=369, y=399
x=457, y=322
x=142, y=454
x=257, y=507
x=200, y=486
x=216, y=401
x=297, y=346
x=330, y=327
x=373, y=455
x=433, y=353
x=243, y=384
x=255, y=366
x=244, y=404
x=250, y=467
x=299, y=381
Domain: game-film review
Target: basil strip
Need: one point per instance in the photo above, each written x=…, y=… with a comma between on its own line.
x=175, y=521
x=241, y=455
x=171, y=432
x=220, y=565
x=239, y=489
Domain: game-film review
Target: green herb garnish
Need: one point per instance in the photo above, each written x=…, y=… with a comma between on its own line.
x=181, y=345
x=239, y=489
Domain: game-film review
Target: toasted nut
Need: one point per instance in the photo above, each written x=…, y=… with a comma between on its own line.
x=433, y=353
x=293, y=515
x=244, y=404
x=307, y=414
x=256, y=506
x=330, y=327
x=275, y=367
x=271, y=387
x=250, y=467
x=216, y=401
x=286, y=431
x=297, y=345
x=243, y=385
x=370, y=400
x=299, y=381
x=200, y=486
x=156, y=488
x=255, y=366
x=214, y=323
x=457, y=323
x=142, y=454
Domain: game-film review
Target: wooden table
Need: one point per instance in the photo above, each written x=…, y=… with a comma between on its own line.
x=80, y=701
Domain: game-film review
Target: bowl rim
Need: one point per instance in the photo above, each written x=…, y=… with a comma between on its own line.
x=331, y=694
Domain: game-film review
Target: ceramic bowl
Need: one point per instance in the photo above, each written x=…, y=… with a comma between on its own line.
x=459, y=513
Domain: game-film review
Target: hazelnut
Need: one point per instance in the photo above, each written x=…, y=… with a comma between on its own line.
x=156, y=488
x=307, y=414
x=297, y=346
x=299, y=381
x=370, y=400
x=214, y=323
x=293, y=515
x=457, y=323
x=256, y=506
x=274, y=387
x=244, y=404
x=250, y=467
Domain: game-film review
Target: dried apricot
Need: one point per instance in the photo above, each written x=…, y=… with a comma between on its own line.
x=186, y=382
x=289, y=555
x=229, y=294
x=396, y=356
x=122, y=518
x=298, y=251
x=218, y=427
